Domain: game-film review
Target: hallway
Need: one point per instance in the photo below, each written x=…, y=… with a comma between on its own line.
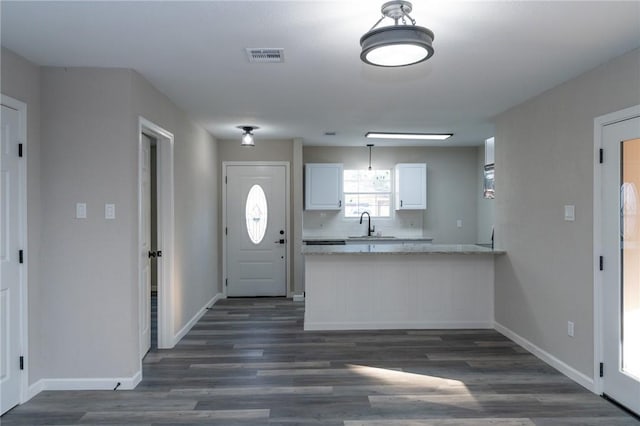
x=248, y=362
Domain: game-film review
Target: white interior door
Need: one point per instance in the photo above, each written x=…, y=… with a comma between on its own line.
x=256, y=230
x=145, y=245
x=9, y=261
x=621, y=280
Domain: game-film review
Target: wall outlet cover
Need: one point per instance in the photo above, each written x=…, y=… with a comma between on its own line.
x=81, y=210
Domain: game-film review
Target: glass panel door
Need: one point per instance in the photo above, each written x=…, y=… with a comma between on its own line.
x=630, y=256
x=621, y=267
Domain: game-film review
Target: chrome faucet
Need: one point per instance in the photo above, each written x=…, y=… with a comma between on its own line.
x=370, y=230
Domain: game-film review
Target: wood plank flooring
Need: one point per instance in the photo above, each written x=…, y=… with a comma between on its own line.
x=249, y=362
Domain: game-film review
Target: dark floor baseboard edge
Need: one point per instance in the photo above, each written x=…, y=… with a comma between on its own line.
x=622, y=407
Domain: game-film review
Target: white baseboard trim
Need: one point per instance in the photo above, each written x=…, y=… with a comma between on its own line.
x=33, y=390
x=400, y=325
x=298, y=297
x=105, y=383
x=189, y=325
x=545, y=356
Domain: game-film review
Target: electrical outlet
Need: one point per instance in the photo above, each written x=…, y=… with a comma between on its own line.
x=570, y=328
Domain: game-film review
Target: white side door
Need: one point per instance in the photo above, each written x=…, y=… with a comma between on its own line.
x=145, y=245
x=10, y=220
x=256, y=230
x=621, y=279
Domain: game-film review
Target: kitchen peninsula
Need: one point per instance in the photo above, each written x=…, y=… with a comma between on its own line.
x=398, y=286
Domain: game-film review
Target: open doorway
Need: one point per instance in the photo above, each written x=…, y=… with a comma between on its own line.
x=156, y=234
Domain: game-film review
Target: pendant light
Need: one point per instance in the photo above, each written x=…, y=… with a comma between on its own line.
x=370, y=145
x=247, y=135
x=396, y=45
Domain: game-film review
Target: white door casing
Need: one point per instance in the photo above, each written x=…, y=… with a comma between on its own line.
x=13, y=338
x=258, y=267
x=618, y=382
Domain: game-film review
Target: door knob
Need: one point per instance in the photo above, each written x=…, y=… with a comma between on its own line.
x=280, y=241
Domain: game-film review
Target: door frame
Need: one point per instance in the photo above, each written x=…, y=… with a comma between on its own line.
x=21, y=107
x=165, y=230
x=287, y=214
x=598, y=248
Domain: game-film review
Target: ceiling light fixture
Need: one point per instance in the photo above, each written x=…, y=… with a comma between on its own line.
x=418, y=136
x=370, y=145
x=247, y=135
x=396, y=45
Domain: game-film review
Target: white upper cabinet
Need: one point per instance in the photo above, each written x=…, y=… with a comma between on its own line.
x=323, y=186
x=411, y=186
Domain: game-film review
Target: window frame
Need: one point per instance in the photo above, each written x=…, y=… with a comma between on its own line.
x=368, y=193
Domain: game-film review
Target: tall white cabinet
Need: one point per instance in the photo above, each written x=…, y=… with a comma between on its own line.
x=323, y=186
x=411, y=186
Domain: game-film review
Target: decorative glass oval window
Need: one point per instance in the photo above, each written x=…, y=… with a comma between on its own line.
x=256, y=214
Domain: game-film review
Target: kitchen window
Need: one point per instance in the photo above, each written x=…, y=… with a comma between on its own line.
x=367, y=190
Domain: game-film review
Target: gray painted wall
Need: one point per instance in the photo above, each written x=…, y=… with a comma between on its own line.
x=88, y=266
x=82, y=147
x=452, y=181
x=544, y=160
x=20, y=80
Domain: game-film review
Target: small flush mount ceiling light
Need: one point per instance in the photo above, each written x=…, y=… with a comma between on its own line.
x=396, y=45
x=247, y=135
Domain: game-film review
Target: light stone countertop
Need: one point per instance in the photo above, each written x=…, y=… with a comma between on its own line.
x=399, y=249
x=369, y=240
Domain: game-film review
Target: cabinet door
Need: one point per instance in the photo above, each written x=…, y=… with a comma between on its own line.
x=323, y=186
x=411, y=186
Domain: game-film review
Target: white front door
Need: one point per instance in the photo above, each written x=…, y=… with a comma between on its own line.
x=621, y=279
x=145, y=245
x=10, y=221
x=256, y=230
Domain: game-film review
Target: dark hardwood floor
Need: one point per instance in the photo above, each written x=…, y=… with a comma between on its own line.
x=249, y=362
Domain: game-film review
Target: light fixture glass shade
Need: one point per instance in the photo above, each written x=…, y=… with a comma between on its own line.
x=247, y=140
x=247, y=135
x=396, y=45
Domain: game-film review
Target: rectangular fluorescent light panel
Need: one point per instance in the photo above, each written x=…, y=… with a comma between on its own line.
x=420, y=136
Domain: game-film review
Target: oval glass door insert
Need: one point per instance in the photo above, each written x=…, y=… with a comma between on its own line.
x=256, y=214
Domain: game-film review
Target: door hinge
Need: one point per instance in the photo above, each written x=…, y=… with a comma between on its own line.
x=20, y=256
x=602, y=263
x=21, y=363
x=20, y=150
x=602, y=369
x=601, y=155
x=225, y=230
x=226, y=282
x=225, y=179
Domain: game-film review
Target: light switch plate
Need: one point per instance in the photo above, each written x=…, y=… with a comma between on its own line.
x=81, y=210
x=459, y=223
x=570, y=213
x=109, y=211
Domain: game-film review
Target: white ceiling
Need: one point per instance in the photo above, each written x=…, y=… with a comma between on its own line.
x=489, y=56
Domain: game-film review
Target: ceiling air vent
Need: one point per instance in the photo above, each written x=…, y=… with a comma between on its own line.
x=261, y=55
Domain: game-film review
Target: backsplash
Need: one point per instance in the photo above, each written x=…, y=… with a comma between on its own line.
x=334, y=224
